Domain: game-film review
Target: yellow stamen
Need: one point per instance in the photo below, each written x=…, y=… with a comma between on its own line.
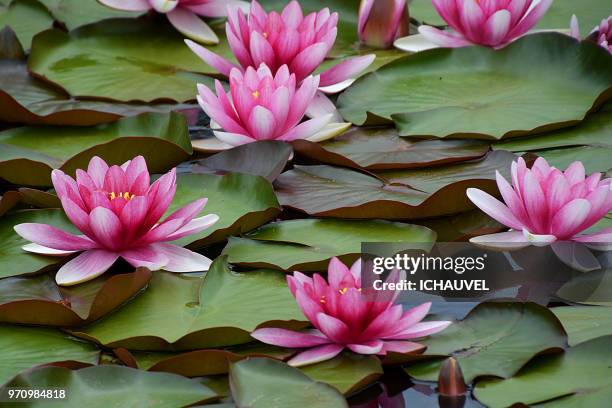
x=126, y=196
x=265, y=34
x=255, y=94
x=343, y=291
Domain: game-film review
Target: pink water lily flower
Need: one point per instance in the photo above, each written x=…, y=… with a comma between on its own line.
x=183, y=14
x=261, y=106
x=344, y=318
x=381, y=22
x=301, y=43
x=544, y=205
x=602, y=34
x=492, y=23
x=118, y=211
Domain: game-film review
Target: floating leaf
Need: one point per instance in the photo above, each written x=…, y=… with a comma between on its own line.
x=307, y=245
x=591, y=288
x=463, y=226
x=347, y=373
x=25, y=99
x=39, y=199
x=75, y=13
x=193, y=313
x=242, y=202
x=580, y=377
x=122, y=60
x=26, y=18
x=382, y=148
x=113, y=386
x=584, y=323
x=494, y=339
x=25, y=347
x=8, y=201
x=39, y=301
x=14, y=260
x=327, y=191
x=162, y=139
x=480, y=92
x=265, y=158
x=200, y=362
x=267, y=383
x=588, y=142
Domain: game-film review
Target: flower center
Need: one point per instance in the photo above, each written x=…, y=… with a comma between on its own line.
x=322, y=300
x=344, y=290
x=265, y=34
x=255, y=94
x=126, y=196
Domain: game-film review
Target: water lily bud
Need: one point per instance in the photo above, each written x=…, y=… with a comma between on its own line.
x=381, y=22
x=450, y=380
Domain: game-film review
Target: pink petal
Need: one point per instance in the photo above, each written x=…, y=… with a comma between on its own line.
x=333, y=328
x=307, y=129
x=531, y=19
x=535, y=203
x=496, y=27
x=52, y=237
x=316, y=355
x=145, y=257
x=371, y=347
x=308, y=60
x=106, y=227
x=292, y=14
x=493, y=207
x=43, y=250
x=127, y=5
x=604, y=236
x=558, y=193
x=262, y=123
x=511, y=198
x=383, y=322
x=575, y=173
x=575, y=28
x=472, y=20
x=309, y=307
x=217, y=62
x=261, y=50
x=538, y=239
x=164, y=6
x=287, y=46
x=502, y=241
x=401, y=347
x=409, y=318
x=181, y=259
x=347, y=69
x=566, y=222
x=280, y=104
x=216, y=8
x=137, y=176
x=193, y=227
x=239, y=49
x=87, y=266
x=97, y=169
x=133, y=215
x=233, y=139
x=76, y=215
x=421, y=330
x=338, y=274
x=192, y=26
x=288, y=338
x=443, y=39
x=300, y=102
x=449, y=12
x=321, y=105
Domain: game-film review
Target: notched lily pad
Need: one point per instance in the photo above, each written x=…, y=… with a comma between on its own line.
x=485, y=93
x=26, y=18
x=26, y=347
x=39, y=301
x=383, y=149
x=494, y=339
x=106, y=386
x=308, y=245
x=125, y=60
x=580, y=377
x=189, y=313
x=584, y=323
x=25, y=99
x=326, y=191
x=242, y=202
x=348, y=372
x=75, y=13
x=29, y=154
x=267, y=383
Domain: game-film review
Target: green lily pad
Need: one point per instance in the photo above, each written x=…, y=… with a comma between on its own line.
x=113, y=386
x=242, y=202
x=463, y=226
x=267, y=383
x=588, y=142
x=348, y=372
x=327, y=191
x=26, y=347
x=122, y=60
x=26, y=18
x=195, y=313
x=308, y=245
x=589, y=12
x=265, y=158
x=14, y=260
x=494, y=339
x=382, y=148
x=25, y=99
x=162, y=139
x=580, y=377
x=75, y=13
x=199, y=363
x=584, y=323
x=591, y=288
x=39, y=198
x=483, y=93
x=39, y=301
